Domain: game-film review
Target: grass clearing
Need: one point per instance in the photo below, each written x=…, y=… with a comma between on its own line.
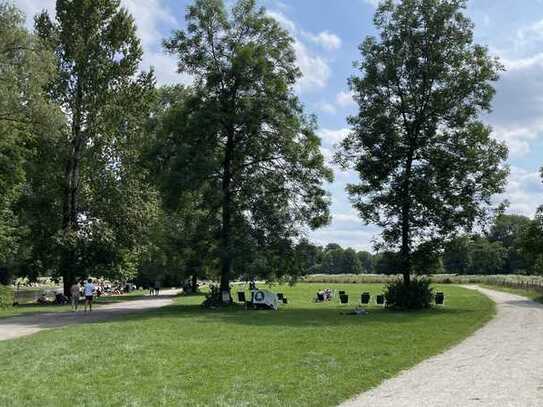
x=305, y=354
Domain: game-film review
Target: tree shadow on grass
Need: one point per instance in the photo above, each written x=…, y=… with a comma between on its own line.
x=296, y=317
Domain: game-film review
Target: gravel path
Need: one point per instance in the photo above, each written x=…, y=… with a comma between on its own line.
x=501, y=365
x=14, y=327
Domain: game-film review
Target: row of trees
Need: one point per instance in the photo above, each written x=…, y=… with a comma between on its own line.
x=104, y=173
x=512, y=244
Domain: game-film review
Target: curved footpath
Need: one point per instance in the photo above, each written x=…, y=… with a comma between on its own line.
x=500, y=365
x=14, y=327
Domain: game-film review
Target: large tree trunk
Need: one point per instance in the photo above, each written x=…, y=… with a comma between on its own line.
x=194, y=283
x=70, y=205
x=226, y=230
x=406, y=222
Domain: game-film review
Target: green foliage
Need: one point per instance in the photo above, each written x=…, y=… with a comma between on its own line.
x=531, y=244
x=366, y=261
x=387, y=262
x=7, y=297
x=509, y=230
x=104, y=207
x=241, y=140
x=486, y=257
x=416, y=295
x=428, y=167
x=26, y=118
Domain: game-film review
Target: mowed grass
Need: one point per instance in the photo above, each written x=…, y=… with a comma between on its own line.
x=305, y=354
x=35, y=308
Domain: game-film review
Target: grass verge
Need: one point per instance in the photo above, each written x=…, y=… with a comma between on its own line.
x=534, y=295
x=305, y=354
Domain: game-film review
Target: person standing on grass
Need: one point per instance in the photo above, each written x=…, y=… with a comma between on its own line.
x=74, y=291
x=89, y=292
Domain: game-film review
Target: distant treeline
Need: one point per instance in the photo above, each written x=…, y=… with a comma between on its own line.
x=513, y=244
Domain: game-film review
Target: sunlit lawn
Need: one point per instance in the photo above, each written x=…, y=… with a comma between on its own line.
x=305, y=354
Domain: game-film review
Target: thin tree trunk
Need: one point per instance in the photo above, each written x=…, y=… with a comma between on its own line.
x=406, y=222
x=194, y=283
x=226, y=230
x=71, y=195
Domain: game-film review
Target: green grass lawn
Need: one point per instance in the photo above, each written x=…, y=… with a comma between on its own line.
x=531, y=294
x=305, y=354
x=32, y=308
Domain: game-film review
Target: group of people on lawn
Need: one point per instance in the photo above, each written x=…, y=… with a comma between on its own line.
x=324, y=295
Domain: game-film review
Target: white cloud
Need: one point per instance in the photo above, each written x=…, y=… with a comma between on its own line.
x=33, y=7
x=333, y=136
x=325, y=39
x=283, y=20
x=373, y=3
x=327, y=107
x=530, y=37
x=517, y=116
x=150, y=17
x=524, y=191
x=518, y=139
x=314, y=68
x=345, y=99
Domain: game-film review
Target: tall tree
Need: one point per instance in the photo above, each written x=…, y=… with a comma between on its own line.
x=509, y=231
x=531, y=244
x=26, y=116
x=427, y=166
x=104, y=198
x=244, y=138
x=366, y=261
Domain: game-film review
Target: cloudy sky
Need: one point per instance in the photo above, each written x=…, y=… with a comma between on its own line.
x=327, y=35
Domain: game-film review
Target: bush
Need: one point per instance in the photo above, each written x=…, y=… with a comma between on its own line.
x=417, y=295
x=6, y=297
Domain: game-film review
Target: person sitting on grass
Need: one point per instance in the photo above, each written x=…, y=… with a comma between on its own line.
x=42, y=299
x=89, y=292
x=74, y=291
x=328, y=294
x=320, y=296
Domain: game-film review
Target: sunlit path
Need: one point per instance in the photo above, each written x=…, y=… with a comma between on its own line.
x=29, y=324
x=500, y=365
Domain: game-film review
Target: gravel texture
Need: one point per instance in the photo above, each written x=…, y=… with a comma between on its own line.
x=501, y=365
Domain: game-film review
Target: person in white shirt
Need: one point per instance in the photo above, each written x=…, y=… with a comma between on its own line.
x=89, y=293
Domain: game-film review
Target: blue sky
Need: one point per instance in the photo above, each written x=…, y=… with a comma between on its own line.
x=327, y=35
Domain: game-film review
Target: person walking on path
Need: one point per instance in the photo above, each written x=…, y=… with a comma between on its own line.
x=74, y=291
x=157, y=287
x=89, y=292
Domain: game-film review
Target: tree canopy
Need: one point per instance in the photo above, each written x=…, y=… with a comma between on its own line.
x=105, y=201
x=427, y=166
x=242, y=138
